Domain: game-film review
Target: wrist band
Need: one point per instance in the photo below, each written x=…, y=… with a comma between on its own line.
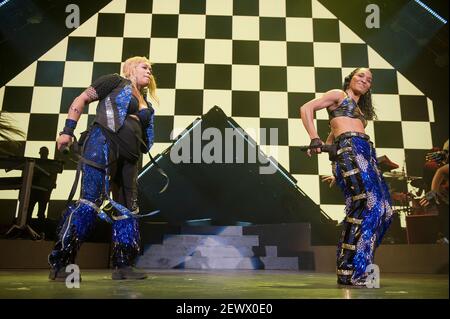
x=67, y=131
x=71, y=124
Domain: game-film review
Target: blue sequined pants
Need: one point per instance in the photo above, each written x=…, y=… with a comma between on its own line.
x=367, y=206
x=78, y=220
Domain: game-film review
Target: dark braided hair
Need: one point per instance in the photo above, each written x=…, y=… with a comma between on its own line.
x=365, y=100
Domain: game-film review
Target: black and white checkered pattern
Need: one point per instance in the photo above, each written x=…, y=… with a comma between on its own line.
x=259, y=60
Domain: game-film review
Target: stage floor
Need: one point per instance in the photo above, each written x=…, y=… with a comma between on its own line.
x=223, y=284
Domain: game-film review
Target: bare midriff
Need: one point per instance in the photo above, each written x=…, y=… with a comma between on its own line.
x=344, y=124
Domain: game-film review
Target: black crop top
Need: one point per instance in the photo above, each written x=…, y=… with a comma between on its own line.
x=133, y=107
x=348, y=108
x=144, y=114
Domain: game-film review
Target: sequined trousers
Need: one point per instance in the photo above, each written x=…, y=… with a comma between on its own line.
x=78, y=219
x=368, y=207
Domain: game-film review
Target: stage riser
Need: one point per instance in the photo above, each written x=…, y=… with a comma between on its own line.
x=27, y=254
x=216, y=230
x=231, y=247
x=206, y=251
x=407, y=259
x=210, y=240
x=192, y=262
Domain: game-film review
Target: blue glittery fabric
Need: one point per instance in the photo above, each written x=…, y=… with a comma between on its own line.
x=125, y=239
x=71, y=123
x=375, y=210
x=122, y=102
x=95, y=149
x=75, y=225
x=77, y=221
x=126, y=232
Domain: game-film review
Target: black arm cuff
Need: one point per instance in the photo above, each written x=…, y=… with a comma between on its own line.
x=67, y=131
x=315, y=143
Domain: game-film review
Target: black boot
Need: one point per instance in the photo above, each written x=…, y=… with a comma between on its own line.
x=60, y=257
x=123, y=256
x=59, y=274
x=347, y=282
x=127, y=272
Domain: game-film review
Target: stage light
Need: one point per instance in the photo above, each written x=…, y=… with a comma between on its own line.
x=433, y=13
x=2, y=3
x=239, y=223
x=198, y=221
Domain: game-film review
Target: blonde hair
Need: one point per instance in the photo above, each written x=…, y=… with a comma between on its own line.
x=445, y=147
x=128, y=70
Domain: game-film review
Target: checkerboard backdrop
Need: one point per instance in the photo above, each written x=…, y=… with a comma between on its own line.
x=259, y=60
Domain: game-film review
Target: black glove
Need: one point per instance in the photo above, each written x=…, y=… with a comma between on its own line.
x=332, y=152
x=315, y=143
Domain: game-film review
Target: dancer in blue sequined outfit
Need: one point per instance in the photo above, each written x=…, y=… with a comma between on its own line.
x=122, y=130
x=367, y=201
